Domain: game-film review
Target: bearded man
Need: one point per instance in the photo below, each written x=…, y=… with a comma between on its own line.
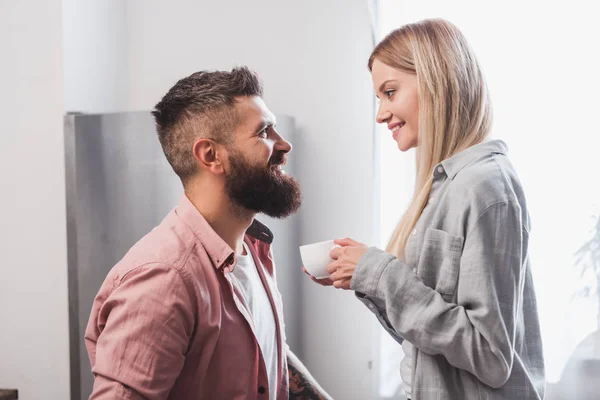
x=192, y=311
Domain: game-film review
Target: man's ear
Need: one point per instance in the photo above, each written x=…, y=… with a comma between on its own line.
x=209, y=155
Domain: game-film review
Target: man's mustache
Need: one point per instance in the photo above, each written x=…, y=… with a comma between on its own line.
x=279, y=159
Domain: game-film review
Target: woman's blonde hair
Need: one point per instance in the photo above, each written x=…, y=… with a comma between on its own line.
x=455, y=111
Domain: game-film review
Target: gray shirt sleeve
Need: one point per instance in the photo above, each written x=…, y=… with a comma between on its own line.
x=477, y=333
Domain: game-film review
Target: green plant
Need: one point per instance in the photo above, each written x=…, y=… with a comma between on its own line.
x=588, y=258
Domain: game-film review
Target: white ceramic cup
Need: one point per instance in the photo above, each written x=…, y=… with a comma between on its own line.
x=315, y=258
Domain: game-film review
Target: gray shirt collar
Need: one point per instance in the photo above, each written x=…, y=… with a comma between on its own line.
x=457, y=162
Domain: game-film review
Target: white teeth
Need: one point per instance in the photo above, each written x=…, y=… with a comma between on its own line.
x=394, y=129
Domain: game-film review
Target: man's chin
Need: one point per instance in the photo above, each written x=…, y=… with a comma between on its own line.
x=281, y=214
x=285, y=210
x=271, y=192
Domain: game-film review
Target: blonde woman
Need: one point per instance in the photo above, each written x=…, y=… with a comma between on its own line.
x=454, y=285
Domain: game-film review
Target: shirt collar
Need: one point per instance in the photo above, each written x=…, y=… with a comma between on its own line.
x=453, y=165
x=219, y=252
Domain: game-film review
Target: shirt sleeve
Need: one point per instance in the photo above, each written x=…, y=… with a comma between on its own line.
x=477, y=334
x=143, y=329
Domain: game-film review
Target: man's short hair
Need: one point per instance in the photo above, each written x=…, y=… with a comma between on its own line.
x=201, y=105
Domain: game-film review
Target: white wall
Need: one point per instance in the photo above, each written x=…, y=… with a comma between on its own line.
x=121, y=56
x=34, y=334
x=312, y=57
x=94, y=55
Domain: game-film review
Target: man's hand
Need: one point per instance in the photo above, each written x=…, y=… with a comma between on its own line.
x=302, y=385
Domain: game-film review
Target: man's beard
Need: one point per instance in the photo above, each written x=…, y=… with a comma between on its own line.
x=262, y=189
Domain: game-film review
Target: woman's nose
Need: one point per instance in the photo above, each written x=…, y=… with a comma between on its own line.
x=382, y=115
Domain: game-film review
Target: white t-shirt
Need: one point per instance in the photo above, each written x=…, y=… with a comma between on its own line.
x=247, y=281
x=406, y=367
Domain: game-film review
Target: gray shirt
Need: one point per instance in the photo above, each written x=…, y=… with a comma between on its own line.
x=464, y=294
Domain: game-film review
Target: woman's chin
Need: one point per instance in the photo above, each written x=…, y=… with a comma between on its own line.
x=404, y=147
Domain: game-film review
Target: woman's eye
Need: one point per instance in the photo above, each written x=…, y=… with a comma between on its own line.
x=389, y=93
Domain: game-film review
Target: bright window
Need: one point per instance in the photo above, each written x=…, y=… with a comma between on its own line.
x=542, y=65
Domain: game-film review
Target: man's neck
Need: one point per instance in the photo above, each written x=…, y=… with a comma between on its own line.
x=229, y=221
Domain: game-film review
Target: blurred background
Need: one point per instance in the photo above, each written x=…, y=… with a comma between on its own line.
x=79, y=77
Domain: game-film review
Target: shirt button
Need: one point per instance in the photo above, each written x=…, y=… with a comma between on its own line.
x=414, y=270
x=430, y=200
x=440, y=169
x=261, y=390
x=371, y=306
x=414, y=232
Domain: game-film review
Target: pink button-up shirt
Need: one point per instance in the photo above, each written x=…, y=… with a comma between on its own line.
x=167, y=323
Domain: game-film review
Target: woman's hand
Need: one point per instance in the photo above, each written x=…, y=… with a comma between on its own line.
x=323, y=282
x=345, y=259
